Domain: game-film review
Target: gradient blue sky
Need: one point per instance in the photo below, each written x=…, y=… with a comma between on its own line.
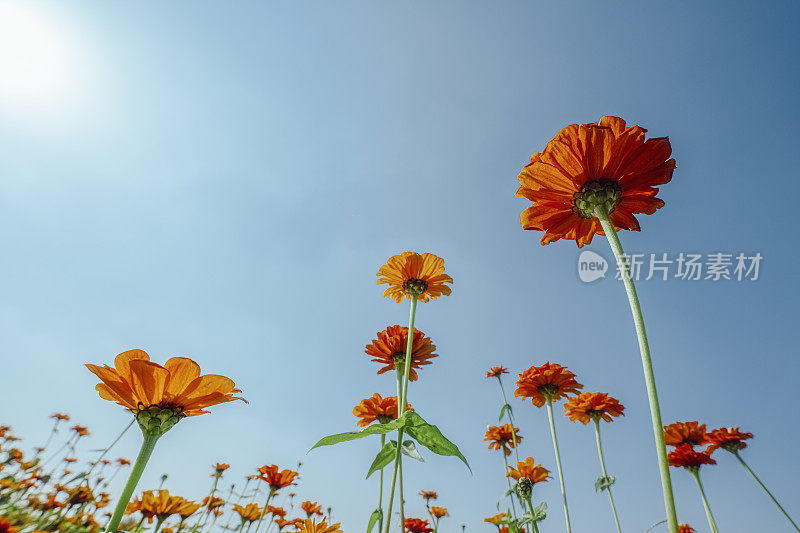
x=223, y=179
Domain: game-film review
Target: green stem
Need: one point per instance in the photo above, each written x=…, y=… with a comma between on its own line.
x=511, y=490
x=264, y=510
x=159, y=521
x=696, y=473
x=510, y=418
x=605, y=473
x=558, y=460
x=399, y=455
x=148, y=444
x=380, y=490
x=402, y=399
x=647, y=364
x=530, y=508
x=789, y=518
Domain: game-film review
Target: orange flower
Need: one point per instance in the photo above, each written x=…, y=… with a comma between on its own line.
x=6, y=527
x=123, y=462
x=685, y=528
x=428, y=495
x=501, y=437
x=530, y=470
x=212, y=502
x=417, y=525
x=390, y=349
x=276, y=479
x=496, y=371
x=186, y=509
x=730, y=439
x=311, y=508
x=148, y=389
x=219, y=468
x=249, y=513
x=82, y=431
x=589, y=405
x=416, y=274
x=549, y=380
x=496, y=519
x=158, y=504
x=685, y=456
x=79, y=495
x=692, y=433
x=439, y=512
x=309, y=526
x=59, y=417
x=275, y=510
x=586, y=165
x=377, y=408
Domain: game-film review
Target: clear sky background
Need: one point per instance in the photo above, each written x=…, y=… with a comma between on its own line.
x=223, y=179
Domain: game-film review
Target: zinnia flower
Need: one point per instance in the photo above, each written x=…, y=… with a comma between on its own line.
x=685, y=528
x=692, y=433
x=82, y=431
x=604, y=164
x=502, y=438
x=550, y=380
x=377, y=408
x=275, y=478
x=60, y=416
x=530, y=470
x=439, y=512
x=158, y=395
x=311, y=508
x=428, y=495
x=275, y=510
x=412, y=274
x=6, y=527
x=496, y=371
x=417, y=525
x=587, y=406
x=219, y=468
x=730, y=439
x=390, y=349
x=496, y=519
x=249, y=513
x=685, y=456
x=310, y=526
x=159, y=504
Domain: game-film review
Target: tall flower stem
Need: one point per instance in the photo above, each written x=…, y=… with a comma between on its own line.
x=148, y=445
x=789, y=518
x=380, y=488
x=647, y=364
x=530, y=509
x=402, y=398
x=558, y=460
x=605, y=473
x=712, y=524
x=510, y=418
x=264, y=510
x=510, y=488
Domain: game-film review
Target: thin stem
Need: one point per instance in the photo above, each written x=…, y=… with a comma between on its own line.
x=605, y=473
x=380, y=489
x=159, y=521
x=510, y=489
x=558, y=461
x=647, y=365
x=399, y=455
x=148, y=444
x=264, y=510
x=696, y=473
x=530, y=509
x=789, y=518
x=510, y=418
x=402, y=397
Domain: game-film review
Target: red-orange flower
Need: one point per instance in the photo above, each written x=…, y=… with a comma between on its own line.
x=6, y=527
x=587, y=165
x=496, y=519
x=82, y=431
x=589, y=405
x=685, y=456
x=417, y=525
x=136, y=383
x=377, y=408
x=685, y=528
x=692, y=433
x=59, y=417
x=439, y=512
x=390, y=349
x=530, y=470
x=428, y=495
x=496, y=371
x=275, y=478
x=502, y=438
x=310, y=526
x=123, y=462
x=276, y=510
x=547, y=381
x=219, y=468
x=311, y=508
x=730, y=439
x=411, y=273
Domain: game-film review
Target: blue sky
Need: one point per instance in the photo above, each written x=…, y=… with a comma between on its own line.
x=223, y=181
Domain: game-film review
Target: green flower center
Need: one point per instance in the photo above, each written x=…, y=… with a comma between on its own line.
x=157, y=419
x=596, y=193
x=415, y=287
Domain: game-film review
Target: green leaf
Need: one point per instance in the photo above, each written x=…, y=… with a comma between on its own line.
x=430, y=437
x=603, y=483
x=503, y=410
x=375, y=429
x=76, y=478
x=384, y=457
x=410, y=449
x=377, y=515
x=540, y=512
